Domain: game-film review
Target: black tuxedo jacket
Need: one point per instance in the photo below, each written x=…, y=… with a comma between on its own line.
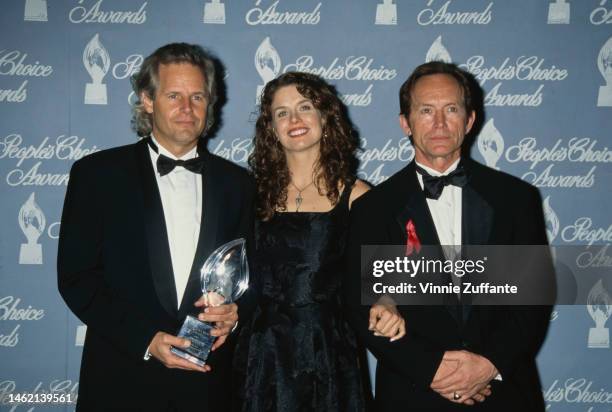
x=497, y=209
x=115, y=274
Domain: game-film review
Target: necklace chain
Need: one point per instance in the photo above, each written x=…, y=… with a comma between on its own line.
x=299, y=199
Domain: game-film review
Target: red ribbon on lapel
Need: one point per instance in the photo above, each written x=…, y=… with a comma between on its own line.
x=412, y=242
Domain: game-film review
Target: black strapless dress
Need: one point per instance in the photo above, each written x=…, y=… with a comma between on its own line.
x=298, y=353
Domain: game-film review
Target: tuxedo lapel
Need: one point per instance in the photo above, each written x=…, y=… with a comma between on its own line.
x=416, y=210
x=211, y=197
x=156, y=234
x=477, y=216
x=476, y=222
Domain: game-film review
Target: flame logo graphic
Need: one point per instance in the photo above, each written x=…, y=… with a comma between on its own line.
x=32, y=219
x=490, y=144
x=437, y=52
x=267, y=64
x=551, y=219
x=599, y=306
x=604, y=61
x=599, y=300
x=267, y=61
x=96, y=59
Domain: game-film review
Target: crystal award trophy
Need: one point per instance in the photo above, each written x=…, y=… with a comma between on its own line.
x=224, y=278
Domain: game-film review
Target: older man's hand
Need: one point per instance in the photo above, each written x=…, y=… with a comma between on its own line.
x=160, y=350
x=225, y=317
x=470, y=377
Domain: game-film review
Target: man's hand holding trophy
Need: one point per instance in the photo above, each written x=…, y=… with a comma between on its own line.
x=224, y=278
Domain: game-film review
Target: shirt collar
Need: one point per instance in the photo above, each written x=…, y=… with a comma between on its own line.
x=162, y=150
x=434, y=172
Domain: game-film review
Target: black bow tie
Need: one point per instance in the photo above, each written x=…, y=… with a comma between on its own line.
x=433, y=185
x=165, y=165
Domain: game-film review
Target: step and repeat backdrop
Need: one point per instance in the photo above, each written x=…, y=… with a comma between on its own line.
x=545, y=67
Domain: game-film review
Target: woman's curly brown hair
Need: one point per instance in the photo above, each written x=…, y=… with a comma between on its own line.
x=337, y=163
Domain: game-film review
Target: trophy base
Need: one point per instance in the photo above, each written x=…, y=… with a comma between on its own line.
x=386, y=14
x=605, y=96
x=214, y=13
x=198, y=333
x=599, y=338
x=38, y=17
x=30, y=254
x=95, y=93
x=35, y=10
x=559, y=13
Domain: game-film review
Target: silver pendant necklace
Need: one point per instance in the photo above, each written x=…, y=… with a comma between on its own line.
x=299, y=199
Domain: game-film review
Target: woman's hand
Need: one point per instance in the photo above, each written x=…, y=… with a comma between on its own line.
x=386, y=321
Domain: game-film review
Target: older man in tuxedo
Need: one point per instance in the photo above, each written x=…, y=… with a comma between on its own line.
x=453, y=356
x=137, y=225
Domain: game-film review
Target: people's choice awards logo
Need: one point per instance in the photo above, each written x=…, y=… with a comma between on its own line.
x=559, y=12
x=32, y=223
x=442, y=15
x=125, y=69
x=237, y=150
x=386, y=13
x=214, y=12
x=97, y=62
x=551, y=220
x=437, y=52
x=580, y=150
x=599, y=306
x=35, y=10
x=258, y=15
x=13, y=310
x=352, y=68
x=373, y=159
x=267, y=64
x=31, y=158
x=523, y=68
x=490, y=144
x=95, y=14
x=583, y=231
x=577, y=394
x=604, y=64
x=595, y=258
x=15, y=63
x=81, y=332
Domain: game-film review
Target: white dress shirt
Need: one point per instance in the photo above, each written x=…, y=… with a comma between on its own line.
x=446, y=210
x=181, y=197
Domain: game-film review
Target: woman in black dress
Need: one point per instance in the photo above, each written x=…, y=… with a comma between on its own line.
x=297, y=352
